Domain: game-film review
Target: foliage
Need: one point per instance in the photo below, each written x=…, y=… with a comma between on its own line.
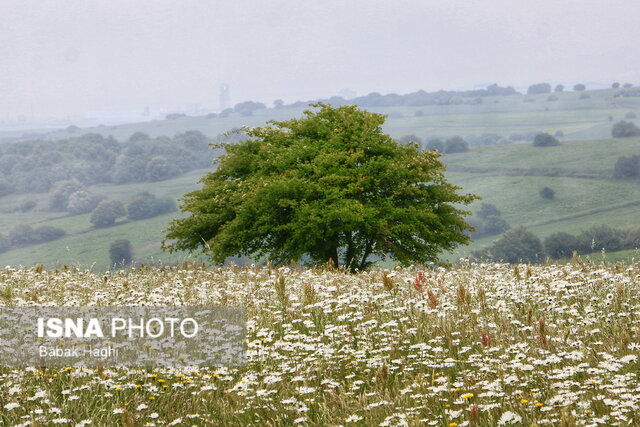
x=27, y=206
x=548, y=193
x=24, y=234
x=83, y=201
x=552, y=98
x=435, y=144
x=121, y=252
x=558, y=88
x=545, y=140
x=61, y=191
x=601, y=237
x=456, y=145
x=624, y=129
x=106, y=213
x=516, y=245
x=630, y=115
x=627, y=167
x=487, y=210
x=561, y=245
x=5, y=244
x=330, y=185
x=5, y=187
x=579, y=87
x=615, y=85
x=248, y=107
x=539, y=88
x=410, y=138
x=146, y=205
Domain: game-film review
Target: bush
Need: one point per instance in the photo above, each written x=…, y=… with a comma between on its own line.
x=600, y=237
x=121, y=252
x=60, y=193
x=5, y=244
x=106, y=213
x=27, y=206
x=494, y=225
x=418, y=113
x=516, y=245
x=630, y=115
x=585, y=96
x=627, y=167
x=5, y=187
x=552, y=98
x=456, y=145
x=21, y=235
x=146, y=205
x=82, y=202
x=545, y=140
x=624, y=129
x=579, y=87
x=559, y=88
x=159, y=169
x=615, y=85
x=559, y=134
x=547, y=193
x=487, y=210
x=410, y=138
x=539, y=88
x=47, y=233
x=561, y=245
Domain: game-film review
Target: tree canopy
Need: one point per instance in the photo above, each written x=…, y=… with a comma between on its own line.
x=328, y=186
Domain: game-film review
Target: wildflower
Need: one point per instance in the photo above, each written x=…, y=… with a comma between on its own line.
x=509, y=418
x=467, y=396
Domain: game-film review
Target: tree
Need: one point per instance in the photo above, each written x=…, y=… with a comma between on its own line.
x=624, y=129
x=558, y=88
x=278, y=103
x=494, y=224
x=456, y=145
x=627, y=167
x=159, y=169
x=615, y=85
x=516, y=245
x=106, y=213
x=328, y=186
x=561, y=245
x=545, y=140
x=83, y=201
x=539, y=88
x=435, y=144
x=410, y=138
x=487, y=210
x=579, y=87
x=120, y=252
x=548, y=193
x=60, y=193
x=5, y=187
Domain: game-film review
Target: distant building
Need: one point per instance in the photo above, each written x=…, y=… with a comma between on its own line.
x=225, y=98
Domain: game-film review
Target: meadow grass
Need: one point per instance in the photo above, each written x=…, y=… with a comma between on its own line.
x=477, y=345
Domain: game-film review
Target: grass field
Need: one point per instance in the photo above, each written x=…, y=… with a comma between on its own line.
x=476, y=345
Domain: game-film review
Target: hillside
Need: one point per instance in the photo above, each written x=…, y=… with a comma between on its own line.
x=508, y=176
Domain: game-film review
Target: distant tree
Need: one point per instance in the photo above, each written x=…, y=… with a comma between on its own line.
x=159, y=169
x=175, y=116
x=539, y=88
x=552, y=98
x=627, y=86
x=494, y=224
x=516, y=245
x=487, y=210
x=627, y=167
x=456, y=145
x=226, y=112
x=545, y=140
x=121, y=252
x=410, y=138
x=21, y=234
x=579, y=87
x=278, y=103
x=211, y=116
x=548, y=193
x=585, y=96
x=139, y=136
x=27, y=206
x=561, y=245
x=558, y=88
x=559, y=133
x=624, y=129
x=193, y=140
x=83, y=201
x=418, y=113
x=600, y=237
x=47, y=233
x=248, y=107
x=60, y=193
x=630, y=115
x=106, y=213
x=615, y=85
x=435, y=144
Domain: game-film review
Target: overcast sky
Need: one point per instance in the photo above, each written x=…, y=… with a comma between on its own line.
x=71, y=56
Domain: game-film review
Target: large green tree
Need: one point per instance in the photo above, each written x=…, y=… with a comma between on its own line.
x=328, y=186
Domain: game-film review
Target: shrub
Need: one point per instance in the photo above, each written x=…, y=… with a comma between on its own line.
x=624, y=129
x=5, y=244
x=559, y=88
x=106, y=213
x=159, y=169
x=547, y=193
x=60, y=193
x=600, y=237
x=545, y=140
x=585, y=96
x=579, y=87
x=120, y=252
x=539, y=88
x=494, y=225
x=27, y=206
x=615, y=85
x=5, y=187
x=516, y=245
x=561, y=245
x=559, y=134
x=456, y=145
x=552, y=98
x=146, y=205
x=627, y=167
x=631, y=115
x=410, y=138
x=46, y=233
x=21, y=234
x=487, y=209
x=83, y=201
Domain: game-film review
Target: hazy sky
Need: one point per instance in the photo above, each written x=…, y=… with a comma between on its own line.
x=71, y=56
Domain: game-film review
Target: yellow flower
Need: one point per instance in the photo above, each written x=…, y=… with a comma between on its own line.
x=524, y=401
x=453, y=424
x=118, y=388
x=467, y=396
x=539, y=405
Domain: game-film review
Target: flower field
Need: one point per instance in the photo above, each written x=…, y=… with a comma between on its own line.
x=476, y=344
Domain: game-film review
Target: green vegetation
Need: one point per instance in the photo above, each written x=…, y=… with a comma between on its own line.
x=329, y=186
